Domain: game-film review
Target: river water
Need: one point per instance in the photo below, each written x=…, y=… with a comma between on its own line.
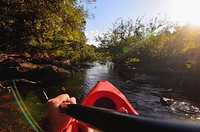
x=145, y=98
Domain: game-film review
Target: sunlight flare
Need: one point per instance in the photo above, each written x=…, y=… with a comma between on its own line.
x=186, y=11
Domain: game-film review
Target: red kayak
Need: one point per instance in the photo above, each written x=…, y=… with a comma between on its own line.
x=103, y=95
x=102, y=109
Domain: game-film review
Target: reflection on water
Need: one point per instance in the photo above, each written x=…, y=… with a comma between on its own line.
x=97, y=72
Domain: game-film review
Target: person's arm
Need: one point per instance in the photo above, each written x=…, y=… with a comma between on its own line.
x=57, y=120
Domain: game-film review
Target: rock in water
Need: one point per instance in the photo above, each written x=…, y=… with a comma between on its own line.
x=166, y=101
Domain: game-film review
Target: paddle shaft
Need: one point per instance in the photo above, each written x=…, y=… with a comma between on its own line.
x=112, y=121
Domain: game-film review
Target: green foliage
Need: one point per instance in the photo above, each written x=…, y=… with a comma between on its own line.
x=132, y=60
x=120, y=38
x=157, y=44
x=54, y=27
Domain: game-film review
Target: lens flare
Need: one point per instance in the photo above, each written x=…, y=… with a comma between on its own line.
x=24, y=109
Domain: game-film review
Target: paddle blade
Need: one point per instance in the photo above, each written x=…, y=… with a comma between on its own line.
x=113, y=121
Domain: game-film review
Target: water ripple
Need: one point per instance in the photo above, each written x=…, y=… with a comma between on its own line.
x=144, y=97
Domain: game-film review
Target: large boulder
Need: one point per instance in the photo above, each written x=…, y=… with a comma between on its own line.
x=46, y=73
x=13, y=67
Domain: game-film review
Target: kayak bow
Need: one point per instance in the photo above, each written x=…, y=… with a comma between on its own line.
x=101, y=109
x=103, y=95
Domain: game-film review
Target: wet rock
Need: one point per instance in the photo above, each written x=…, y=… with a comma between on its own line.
x=46, y=73
x=15, y=67
x=166, y=101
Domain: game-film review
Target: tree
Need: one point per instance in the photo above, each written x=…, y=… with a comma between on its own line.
x=41, y=25
x=128, y=38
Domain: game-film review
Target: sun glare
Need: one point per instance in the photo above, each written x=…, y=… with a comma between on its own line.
x=186, y=11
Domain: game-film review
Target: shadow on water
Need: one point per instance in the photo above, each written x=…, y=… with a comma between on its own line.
x=144, y=97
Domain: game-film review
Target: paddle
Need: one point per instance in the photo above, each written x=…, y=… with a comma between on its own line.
x=113, y=121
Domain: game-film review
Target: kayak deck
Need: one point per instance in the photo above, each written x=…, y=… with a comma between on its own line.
x=106, y=95
x=103, y=95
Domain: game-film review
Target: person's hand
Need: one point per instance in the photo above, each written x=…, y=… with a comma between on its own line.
x=57, y=120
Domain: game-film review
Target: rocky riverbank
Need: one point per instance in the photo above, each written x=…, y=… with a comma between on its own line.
x=14, y=66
